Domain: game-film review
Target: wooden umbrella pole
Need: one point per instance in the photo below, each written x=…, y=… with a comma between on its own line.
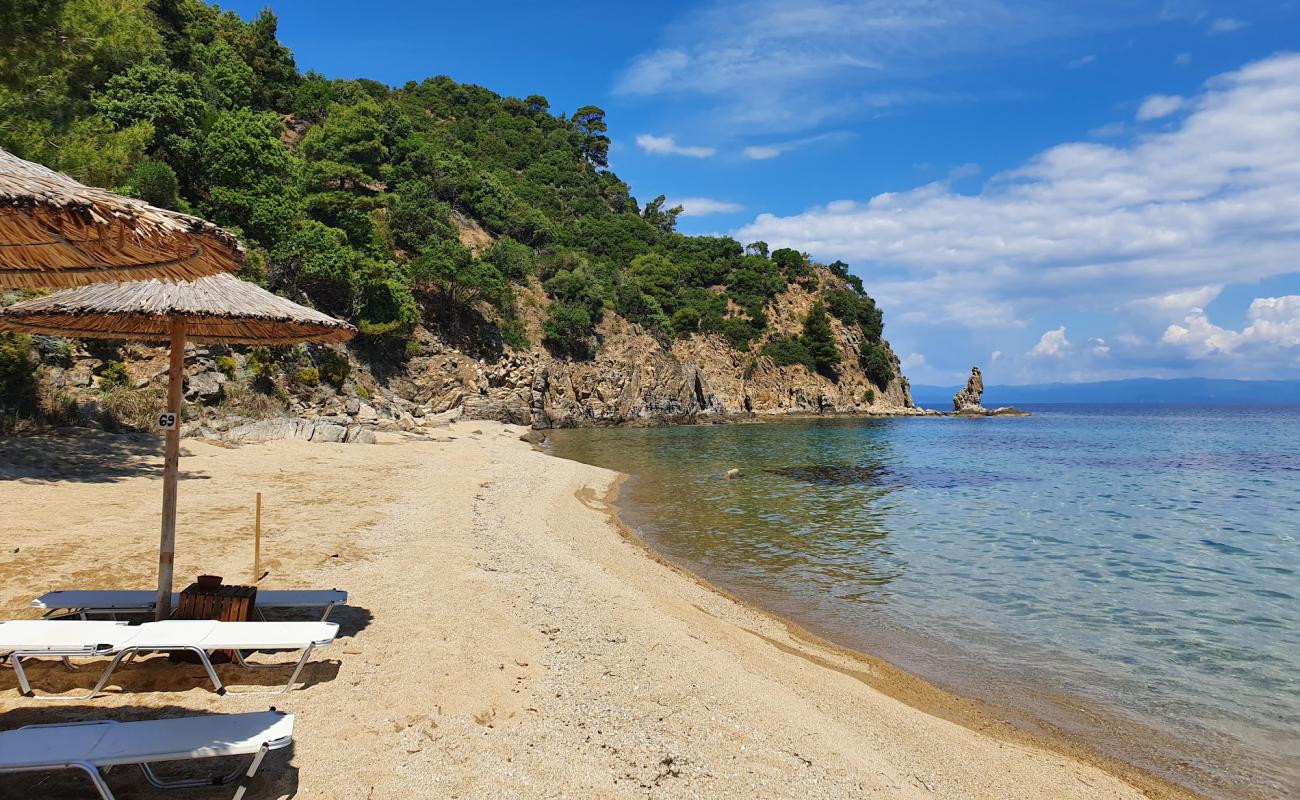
x=171, y=462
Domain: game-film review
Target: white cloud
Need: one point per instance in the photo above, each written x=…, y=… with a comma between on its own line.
x=1183, y=59
x=1273, y=323
x=1082, y=61
x=1108, y=131
x=703, y=206
x=913, y=361
x=779, y=66
x=1099, y=347
x=995, y=355
x=668, y=146
x=1226, y=25
x=762, y=152
x=1160, y=105
x=1179, y=302
x=1053, y=344
x=1086, y=226
x=651, y=72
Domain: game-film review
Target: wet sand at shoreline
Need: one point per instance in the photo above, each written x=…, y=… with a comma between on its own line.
x=504, y=638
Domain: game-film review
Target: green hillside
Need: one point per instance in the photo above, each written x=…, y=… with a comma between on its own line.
x=352, y=195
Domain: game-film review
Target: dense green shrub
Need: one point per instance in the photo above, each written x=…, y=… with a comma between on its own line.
x=226, y=365
x=853, y=308
x=308, y=376
x=155, y=183
x=819, y=340
x=514, y=334
x=787, y=350
x=876, y=363
x=17, y=379
x=569, y=329
x=739, y=331
x=316, y=261
x=513, y=260
x=334, y=366
x=113, y=374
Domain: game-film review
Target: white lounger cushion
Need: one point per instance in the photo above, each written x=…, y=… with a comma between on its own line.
x=36, y=635
x=126, y=599
x=106, y=744
x=213, y=635
x=65, y=636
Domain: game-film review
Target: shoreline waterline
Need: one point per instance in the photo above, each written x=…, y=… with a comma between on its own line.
x=1000, y=721
x=1031, y=700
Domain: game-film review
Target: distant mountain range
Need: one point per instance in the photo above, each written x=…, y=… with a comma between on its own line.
x=1200, y=391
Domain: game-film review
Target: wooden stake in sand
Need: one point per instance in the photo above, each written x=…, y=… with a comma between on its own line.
x=257, y=540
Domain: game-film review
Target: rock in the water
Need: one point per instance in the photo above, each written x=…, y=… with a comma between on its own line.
x=968, y=399
x=734, y=472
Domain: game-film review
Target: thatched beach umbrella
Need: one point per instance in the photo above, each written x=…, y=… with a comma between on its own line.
x=221, y=309
x=56, y=232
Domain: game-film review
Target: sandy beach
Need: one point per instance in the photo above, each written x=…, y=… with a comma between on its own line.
x=504, y=636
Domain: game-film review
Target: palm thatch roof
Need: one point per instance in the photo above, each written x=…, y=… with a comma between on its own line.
x=57, y=232
x=219, y=309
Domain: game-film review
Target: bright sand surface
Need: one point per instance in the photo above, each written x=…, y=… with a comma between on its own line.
x=504, y=637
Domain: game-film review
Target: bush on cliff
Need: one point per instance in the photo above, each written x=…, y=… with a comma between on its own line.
x=787, y=350
x=819, y=340
x=876, y=363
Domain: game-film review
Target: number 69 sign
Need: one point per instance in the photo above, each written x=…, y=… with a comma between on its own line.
x=167, y=421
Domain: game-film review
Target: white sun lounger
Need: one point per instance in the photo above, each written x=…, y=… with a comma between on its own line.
x=21, y=639
x=92, y=746
x=86, y=603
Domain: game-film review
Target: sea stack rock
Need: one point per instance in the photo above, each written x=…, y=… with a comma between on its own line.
x=967, y=401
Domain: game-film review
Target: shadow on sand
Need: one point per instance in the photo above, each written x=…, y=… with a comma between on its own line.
x=83, y=455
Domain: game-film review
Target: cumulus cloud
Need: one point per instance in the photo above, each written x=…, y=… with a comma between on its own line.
x=1273, y=323
x=668, y=146
x=1160, y=105
x=1053, y=344
x=1085, y=225
x=703, y=206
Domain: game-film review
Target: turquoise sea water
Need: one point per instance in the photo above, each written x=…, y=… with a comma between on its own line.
x=1130, y=575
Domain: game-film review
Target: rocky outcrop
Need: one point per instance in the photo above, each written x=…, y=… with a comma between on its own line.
x=321, y=429
x=635, y=377
x=967, y=401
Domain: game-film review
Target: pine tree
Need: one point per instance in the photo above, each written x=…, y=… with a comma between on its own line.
x=819, y=339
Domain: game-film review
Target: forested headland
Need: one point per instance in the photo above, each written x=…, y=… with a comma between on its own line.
x=431, y=209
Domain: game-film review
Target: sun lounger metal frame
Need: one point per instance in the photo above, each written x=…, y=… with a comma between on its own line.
x=121, y=651
x=243, y=773
x=111, y=602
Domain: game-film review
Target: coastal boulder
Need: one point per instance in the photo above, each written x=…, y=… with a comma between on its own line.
x=967, y=401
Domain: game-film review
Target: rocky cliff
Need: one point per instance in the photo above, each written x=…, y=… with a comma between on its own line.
x=634, y=378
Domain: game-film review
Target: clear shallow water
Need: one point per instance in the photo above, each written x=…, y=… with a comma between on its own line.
x=1142, y=560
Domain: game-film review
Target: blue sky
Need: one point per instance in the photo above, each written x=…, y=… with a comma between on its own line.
x=1109, y=190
